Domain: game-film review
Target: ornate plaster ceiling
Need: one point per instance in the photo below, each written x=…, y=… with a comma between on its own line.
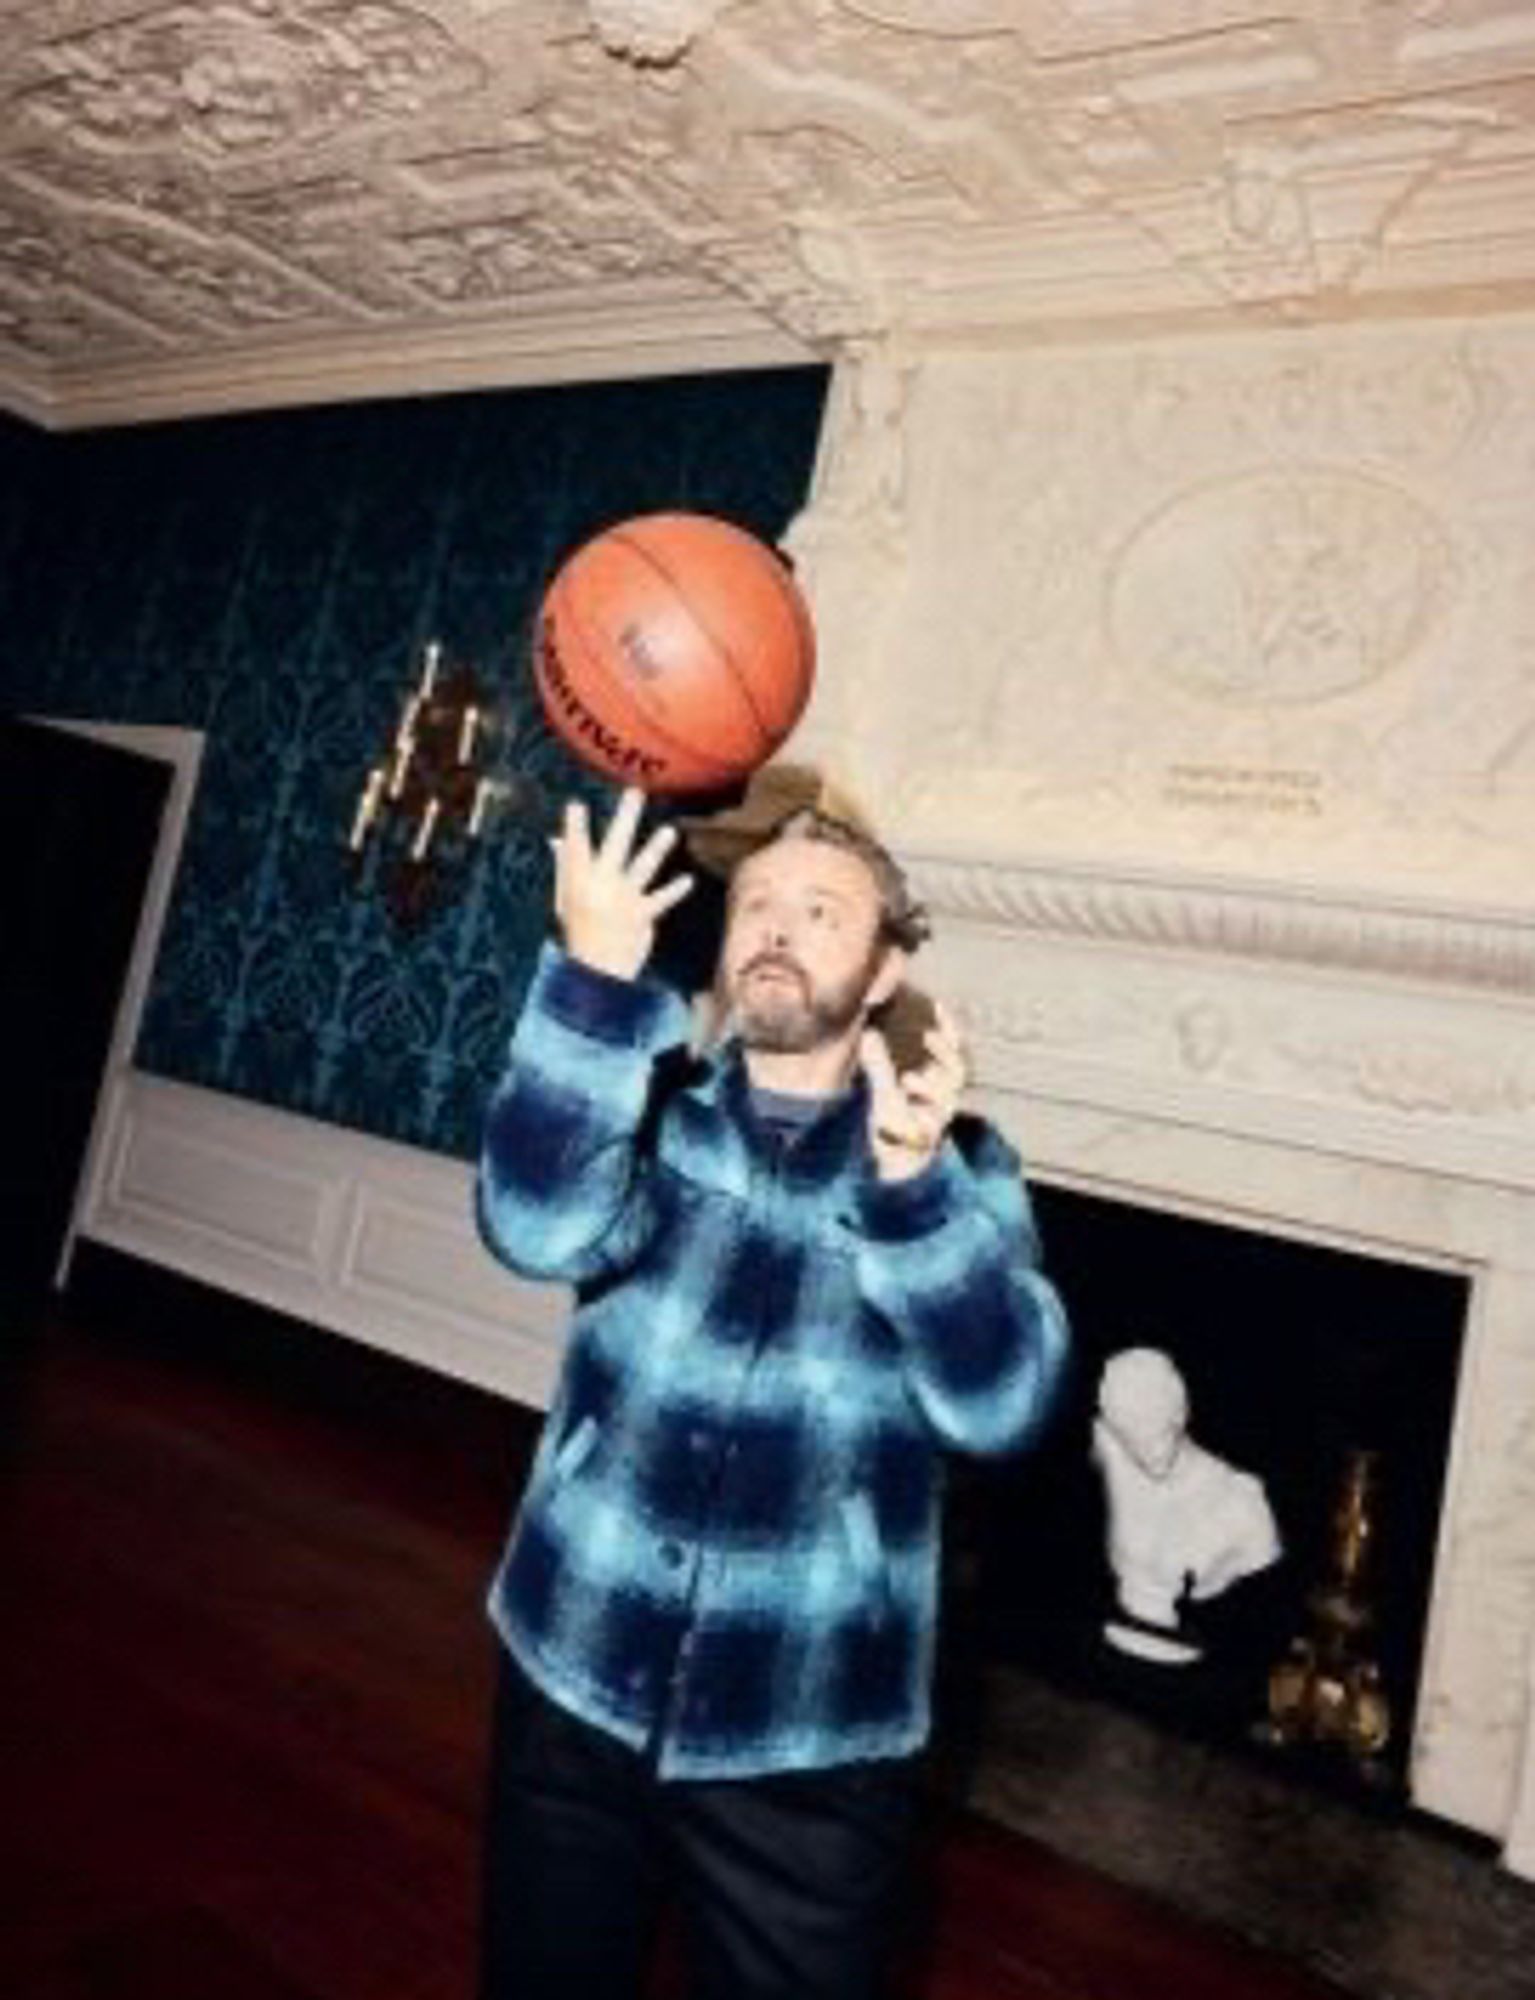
x=223, y=203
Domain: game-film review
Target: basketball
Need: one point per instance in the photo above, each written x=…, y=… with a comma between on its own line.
x=674, y=652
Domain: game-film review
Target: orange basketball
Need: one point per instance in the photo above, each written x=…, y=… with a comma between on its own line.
x=674, y=652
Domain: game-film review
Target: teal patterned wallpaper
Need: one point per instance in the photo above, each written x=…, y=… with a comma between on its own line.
x=270, y=579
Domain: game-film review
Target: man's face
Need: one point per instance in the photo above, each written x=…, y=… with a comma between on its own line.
x=803, y=956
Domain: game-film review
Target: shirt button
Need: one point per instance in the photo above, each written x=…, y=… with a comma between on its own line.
x=673, y=1554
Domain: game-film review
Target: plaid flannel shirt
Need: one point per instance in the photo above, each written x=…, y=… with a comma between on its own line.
x=727, y=1547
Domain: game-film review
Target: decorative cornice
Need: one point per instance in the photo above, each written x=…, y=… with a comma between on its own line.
x=178, y=179
x=634, y=332
x=1319, y=928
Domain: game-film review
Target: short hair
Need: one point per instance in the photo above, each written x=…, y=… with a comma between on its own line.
x=903, y=920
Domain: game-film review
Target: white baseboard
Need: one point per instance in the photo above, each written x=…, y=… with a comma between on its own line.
x=365, y=1237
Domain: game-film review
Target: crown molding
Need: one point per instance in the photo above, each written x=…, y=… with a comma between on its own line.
x=1321, y=928
x=623, y=334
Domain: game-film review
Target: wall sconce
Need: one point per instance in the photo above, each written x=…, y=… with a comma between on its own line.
x=425, y=805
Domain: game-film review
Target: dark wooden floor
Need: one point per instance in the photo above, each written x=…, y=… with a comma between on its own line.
x=244, y=1680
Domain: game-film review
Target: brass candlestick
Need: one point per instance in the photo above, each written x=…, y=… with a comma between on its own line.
x=1327, y=1689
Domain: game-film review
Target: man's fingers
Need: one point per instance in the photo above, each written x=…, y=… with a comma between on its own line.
x=646, y=865
x=896, y=1119
x=890, y=1108
x=936, y=1082
x=946, y=1055
x=572, y=850
x=619, y=837
x=668, y=896
x=943, y=1040
x=931, y=1085
x=575, y=841
x=878, y=1066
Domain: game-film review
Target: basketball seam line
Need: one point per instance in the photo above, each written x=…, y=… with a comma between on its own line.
x=677, y=746
x=770, y=736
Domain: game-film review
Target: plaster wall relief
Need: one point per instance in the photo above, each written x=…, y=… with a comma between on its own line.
x=849, y=544
x=1382, y=1070
x=1260, y=608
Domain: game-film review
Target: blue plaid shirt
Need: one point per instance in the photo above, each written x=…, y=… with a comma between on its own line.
x=727, y=1547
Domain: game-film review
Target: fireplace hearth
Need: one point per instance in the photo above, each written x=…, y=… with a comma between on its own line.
x=1389, y=1906
x=1299, y=1362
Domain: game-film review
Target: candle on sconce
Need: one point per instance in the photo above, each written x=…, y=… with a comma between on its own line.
x=427, y=800
x=367, y=806
x=482, y=797
x=423, y=839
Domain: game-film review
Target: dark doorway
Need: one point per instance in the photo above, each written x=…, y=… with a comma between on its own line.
x=79, y=824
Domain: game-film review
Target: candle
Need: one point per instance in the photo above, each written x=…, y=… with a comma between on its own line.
x=367, y=806
x=403, y=749
x=407, y=730
x=482, y=792
x=429, y=671
x=466, y=734
x=423, y=838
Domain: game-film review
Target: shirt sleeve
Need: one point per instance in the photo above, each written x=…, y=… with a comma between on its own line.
x=565, y=1189
x=950, y=1258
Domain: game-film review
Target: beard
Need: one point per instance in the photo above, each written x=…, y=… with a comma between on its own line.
x=789, y=1014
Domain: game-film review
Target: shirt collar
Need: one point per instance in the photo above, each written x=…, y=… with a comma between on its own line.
x=829, y=1145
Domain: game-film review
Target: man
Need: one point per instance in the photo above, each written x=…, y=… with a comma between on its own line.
x=799, y=1278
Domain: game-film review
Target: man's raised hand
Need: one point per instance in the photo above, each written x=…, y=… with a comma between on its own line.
x=603, y=899
x=910, y=1113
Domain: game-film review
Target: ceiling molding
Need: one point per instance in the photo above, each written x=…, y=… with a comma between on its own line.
x=619, y=339
x=282, y=199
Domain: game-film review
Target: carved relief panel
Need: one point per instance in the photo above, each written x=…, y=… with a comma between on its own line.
x=1259, y=608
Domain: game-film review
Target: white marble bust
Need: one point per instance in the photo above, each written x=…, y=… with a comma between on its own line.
x=1182, y=1523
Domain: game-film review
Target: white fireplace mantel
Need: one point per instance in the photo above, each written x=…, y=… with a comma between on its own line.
x=1195, y=682
x=1358, y=1112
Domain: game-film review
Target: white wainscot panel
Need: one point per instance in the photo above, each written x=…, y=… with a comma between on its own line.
x=364, y=1237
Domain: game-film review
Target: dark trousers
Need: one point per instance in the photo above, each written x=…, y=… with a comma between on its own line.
x=786, y=1887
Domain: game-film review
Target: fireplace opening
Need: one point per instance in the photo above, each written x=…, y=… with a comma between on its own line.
x=1319, y=1388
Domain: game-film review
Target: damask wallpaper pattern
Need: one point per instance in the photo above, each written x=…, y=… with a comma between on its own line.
x=270, y=579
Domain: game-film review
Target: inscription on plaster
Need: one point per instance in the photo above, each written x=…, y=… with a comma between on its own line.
x=1248, y=788
x=1281, y=586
